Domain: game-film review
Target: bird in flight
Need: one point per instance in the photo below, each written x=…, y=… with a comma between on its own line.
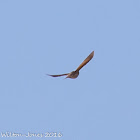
x=74, y=74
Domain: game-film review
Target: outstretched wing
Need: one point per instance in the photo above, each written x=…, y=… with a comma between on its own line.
x=58, y=75
x=85, y=61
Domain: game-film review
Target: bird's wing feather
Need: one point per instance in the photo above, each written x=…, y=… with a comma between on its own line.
x=58, y=75
x=85, y=61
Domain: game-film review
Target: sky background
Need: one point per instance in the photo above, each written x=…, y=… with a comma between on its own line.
x=54, y=37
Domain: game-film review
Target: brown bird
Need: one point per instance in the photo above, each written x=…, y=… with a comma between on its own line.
x=74, y=74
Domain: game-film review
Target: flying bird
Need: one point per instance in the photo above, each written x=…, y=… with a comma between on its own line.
x=74, y=74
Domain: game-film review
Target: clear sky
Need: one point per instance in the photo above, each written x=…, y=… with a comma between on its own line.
x=54, y=37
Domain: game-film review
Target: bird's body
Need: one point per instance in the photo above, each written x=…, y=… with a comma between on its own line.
x=74, y=74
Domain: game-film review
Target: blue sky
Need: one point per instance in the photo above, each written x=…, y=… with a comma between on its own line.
x=39, y=37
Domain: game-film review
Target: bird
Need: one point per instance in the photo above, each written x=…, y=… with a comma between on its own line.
x=74, y=74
